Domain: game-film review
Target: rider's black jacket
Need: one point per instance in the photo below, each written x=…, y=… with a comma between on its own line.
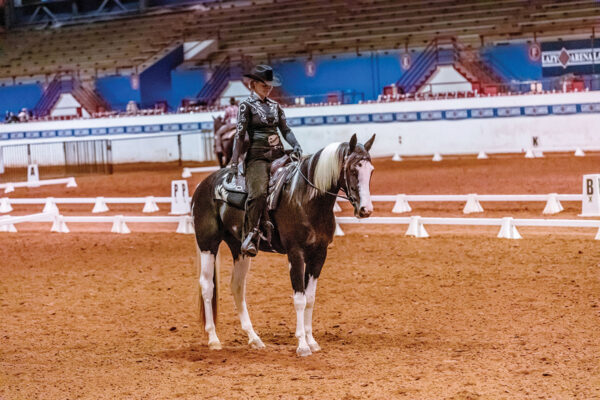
x=260, y=120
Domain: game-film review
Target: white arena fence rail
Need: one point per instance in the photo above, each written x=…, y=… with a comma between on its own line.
x=119, y=222
x=100, y=203
x=472, y=205
x=508, y=225
x=416, y=224
x=401, y=201
x=10, y=186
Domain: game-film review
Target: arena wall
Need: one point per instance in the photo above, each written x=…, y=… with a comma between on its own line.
x=556, y=122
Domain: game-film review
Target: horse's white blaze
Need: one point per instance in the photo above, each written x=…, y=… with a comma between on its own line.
x=311, y=289
x=241, y=267
x=300, y=306
x=364, y=180
x=207, y=271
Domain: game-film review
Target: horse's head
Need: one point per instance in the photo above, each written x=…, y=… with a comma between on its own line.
x=356, y=174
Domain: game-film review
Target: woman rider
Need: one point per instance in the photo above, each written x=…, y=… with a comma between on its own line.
x=259, y=117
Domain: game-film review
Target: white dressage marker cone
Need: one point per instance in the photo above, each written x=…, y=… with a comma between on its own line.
x=401, y=205
x=482, y=156
x=336, y=207
x=71, y=183
x=150, y=205
x=396, y=157
x=508, y=229
x=538, y=154
x=553, y=205
x=186, y=173
x=416, y=228
x=119, y=225
x=338, y=230
x=529, y=154
x=579, y=152
x=437, y=157
x=9, y=188
x=186, y=225
x=598, y=235
x=5, y=205
x=100, y=205
x=50, y=206
x=59, y=224
x=473, y=205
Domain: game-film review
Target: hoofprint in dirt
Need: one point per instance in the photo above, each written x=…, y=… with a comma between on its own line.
x=102, y=316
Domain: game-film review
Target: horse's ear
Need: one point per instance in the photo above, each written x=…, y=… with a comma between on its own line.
x=369, y=143
x=352, y=143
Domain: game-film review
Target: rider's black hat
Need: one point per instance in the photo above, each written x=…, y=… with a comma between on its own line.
x=264, y=74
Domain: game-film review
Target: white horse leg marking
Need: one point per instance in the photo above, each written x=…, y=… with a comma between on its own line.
x=300, y=305
x=207, y=271
x=238, y=288
x=311, y=290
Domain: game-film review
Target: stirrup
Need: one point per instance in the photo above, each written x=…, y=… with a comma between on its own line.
x=249, y=248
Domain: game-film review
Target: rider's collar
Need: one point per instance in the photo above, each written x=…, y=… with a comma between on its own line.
x=256, y=97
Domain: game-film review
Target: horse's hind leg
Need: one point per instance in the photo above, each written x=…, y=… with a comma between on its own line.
x=241, y=266
x=238, y=286
x=207, y=281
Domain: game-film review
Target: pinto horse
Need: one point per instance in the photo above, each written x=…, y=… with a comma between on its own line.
x=304, y=227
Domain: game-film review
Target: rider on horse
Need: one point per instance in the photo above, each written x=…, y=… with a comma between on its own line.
x=259, y=117
x=229, y=122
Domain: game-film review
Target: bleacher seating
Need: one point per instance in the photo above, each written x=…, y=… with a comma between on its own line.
x=265, y=30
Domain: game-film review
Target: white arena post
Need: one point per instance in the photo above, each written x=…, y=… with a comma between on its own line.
x=71, y=182
x=437, y=157
x=8, y=188
x=50, y=206
x=100, y=205
x=529, y=154
x=482, y=156
x=150, y=205
x=7, y=227
x=401, y=205
x=416, y=228
x=590, y=202
x=397, y=157
x=579, y=152
x=472, y=205
x=338, y=230
x=508, y=229
x=59, y=224
x=185, y=225
x=553, y=205
x=336, y=207
x=119, y=225
x=180, y=202
x=5, y=206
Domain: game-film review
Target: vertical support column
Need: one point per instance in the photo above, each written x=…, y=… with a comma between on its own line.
x=109, y=156
x=179, y=150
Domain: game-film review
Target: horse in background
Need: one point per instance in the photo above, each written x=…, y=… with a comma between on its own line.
x=304, y=226
x=223, y=141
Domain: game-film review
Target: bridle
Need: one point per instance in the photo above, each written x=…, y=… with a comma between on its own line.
x=348, y=196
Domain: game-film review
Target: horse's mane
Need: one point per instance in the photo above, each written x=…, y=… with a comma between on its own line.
x=329, y=163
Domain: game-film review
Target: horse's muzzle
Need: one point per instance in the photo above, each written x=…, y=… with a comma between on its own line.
x=363, y=212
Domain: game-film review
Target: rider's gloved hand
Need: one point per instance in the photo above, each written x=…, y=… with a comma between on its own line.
x=297, y=151
x=233, y=173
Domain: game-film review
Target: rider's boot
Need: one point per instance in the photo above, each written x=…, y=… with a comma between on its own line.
x=250, y=244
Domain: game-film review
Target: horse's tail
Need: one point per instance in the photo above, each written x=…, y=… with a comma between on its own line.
x=216, y=282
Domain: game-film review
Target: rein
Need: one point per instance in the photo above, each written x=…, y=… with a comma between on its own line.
x=351, y=199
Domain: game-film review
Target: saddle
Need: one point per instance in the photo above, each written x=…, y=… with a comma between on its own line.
x=235, y=193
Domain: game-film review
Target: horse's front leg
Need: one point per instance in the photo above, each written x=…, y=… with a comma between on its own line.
x=241, y=267
x=297, y=267
x=314, y=264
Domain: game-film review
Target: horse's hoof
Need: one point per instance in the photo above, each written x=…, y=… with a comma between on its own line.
x=314, y=347
x=303, y=351
x=256, y=343
x=215, y=346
